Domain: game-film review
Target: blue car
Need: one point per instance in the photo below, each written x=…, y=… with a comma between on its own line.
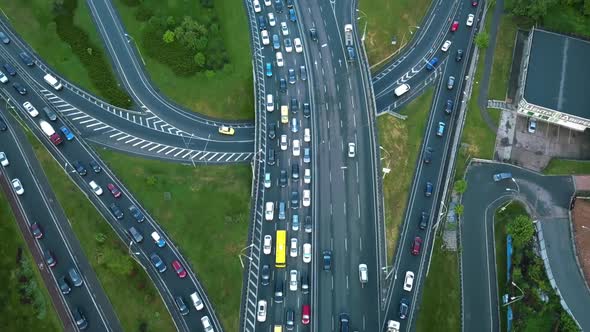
x=432, y=63
x=158, y=263
x=276, y=43
x=269, y=69
x=441, y=129
x=292, y=16
x=67, y=133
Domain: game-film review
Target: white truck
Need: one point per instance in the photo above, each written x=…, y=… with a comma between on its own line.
x=349, y=42
x=393, y=326
x=50, y=132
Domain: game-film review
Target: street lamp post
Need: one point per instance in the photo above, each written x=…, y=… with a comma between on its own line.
x=246, y=256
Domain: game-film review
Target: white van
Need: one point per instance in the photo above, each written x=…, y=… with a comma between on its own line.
x=400, y=90
x=270, y=105
x=197, y=301
x=52, y=81
x=206, y=324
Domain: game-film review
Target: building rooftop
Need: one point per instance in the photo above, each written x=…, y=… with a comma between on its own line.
x=558, y=74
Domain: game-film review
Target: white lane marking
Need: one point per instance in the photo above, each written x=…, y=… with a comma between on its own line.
x=86, y=121
x=169, y=152
x=132, y=140
x=94, y=124
x=154, y=147
x=122, y=138
x=148, y=144
x=179, y=152
x=101, y=128
x=162, y=149
x=115, y=135
x=186, y=154
x=136, y=144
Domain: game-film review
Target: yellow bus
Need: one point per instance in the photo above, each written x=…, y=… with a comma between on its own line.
x=281, y=252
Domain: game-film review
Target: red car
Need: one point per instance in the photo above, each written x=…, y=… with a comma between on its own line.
x=36, y=230
x=474, y=3
x=455, y=26
x=114, y=190
x=179, y=269
x=305, y=314
x=416, y=246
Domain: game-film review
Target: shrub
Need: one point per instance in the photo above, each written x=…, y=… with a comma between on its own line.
x=143, y=13
x=131, y=3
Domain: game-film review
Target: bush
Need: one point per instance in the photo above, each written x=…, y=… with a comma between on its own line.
x=131, y=3
x=207, y=3
x=143, y=13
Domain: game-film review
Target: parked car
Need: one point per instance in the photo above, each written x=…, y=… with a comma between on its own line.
x=502, y=176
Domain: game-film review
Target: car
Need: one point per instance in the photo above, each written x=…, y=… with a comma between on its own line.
x=182, y=307
x=313, y=33
x=294, y=125
x=502, y=176
x=303, y=73
x=459, y=55
x=451, y=82
x=351, y=150
x=290, y=3
x=416, y=246
x=283, y=178
x=226, y=130
x=278, y=291
x=344, y=321
x=30, y=108
x=75, y=277
x=292, y=15
x=270, y=105
x=293, y=251
x=288, y=45
x=26, y=58
x=207, y=327
x=363, y=274
x=180, y=271
x=306, y=110
x=440, y=130
x=3, y=126
x=293, y=282
x=295, y=171
x=271, y=19
x=158, y=262
x=261, y=311
x=298, y=45
x=265, y=275
x=307, y=226
x=294, y=199
x=454, y=26
x=284, y=143
x=307, y=135
x=306, y=155
x=95, y=166
x=276, y=42
x=404, y=307
x=67, y=133
x=79, y=167
x=267, y=246
x=428, y=155
x=3, y=78
x=114, y=190
x=428, y=189
x=158, y=240
x=272, y=131
x=532, y=126
x=282, y=85
x=279, y=58
x=307, y=176
x=267, y=3
x=423, y=220
x=4, y=38
x=116, y=211
x=307, y=253
x=296, y=148
x=409, y=281
x=393, y=326
x=470, y=19
x=64, y=285
x=304, y=283
x=474, y=3
x=279, y=6
x=295, y=222
x=49, y=258
x=17, y=186
x=261, y=22
x=51, y=115
x=265, y=37
x=289, y=319
x=3, y=160
x=327, y=260
x=95, y=188
x=136, y=214
x=292, y=76
x=19, y=88
x=432, y=64
x=257, y=7
x=135, y=234
x=305, y=314
x=270, y=157
x=284, y=29
x=449, y=106
x=446, y=45
x=294, y=104
x=267, y=180
x=80, y=319
x=36, y=230
x=306, y=197
x=269, y=211
x=268, y=69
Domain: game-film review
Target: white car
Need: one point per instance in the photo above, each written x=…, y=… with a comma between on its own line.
x=409, y=281
x=298, y=45
x=307, y=176
x=280, y=62
x=17, y=186
x=271, y=20
x=293, y=280
x=446, y=45
x=307, y=135
x=470, y=19
x=3, y=160
x=95, y=188
x=261, y=315
x=267, y=3
x=265, y=37
x=3, y=77
x=532, y=126
x=351, y=150
x=284, y=142
x=293, y=252
x=267, y=247
x=284, y=29
x=363, y=274
x=256, y=5
x=270, y=104
x=269, y=211
x=267, y=180
x=296, y=148
x=306, y=197
x=207, y=327
x=306, y=253
x=30, y=108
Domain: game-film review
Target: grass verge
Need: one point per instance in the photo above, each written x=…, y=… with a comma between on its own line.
x=226, y=94
x=136, y=301
x=502, y=58
x=400, y=141
x=17, y=273
x=441, y=300
x=567, y=167
x=385, y=19
x=207, y=215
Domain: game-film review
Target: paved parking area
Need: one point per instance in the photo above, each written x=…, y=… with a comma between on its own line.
x=534, y=151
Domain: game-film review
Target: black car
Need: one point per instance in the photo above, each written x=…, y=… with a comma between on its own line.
x=428, y=155
x=283, y=85
x=283, y=178
x=290, y=319
x=50, y=114
x=261, y=22
x=290, y=3
x=49, y=259
x=95, y=166
x=75, y=277
x=158, y=262
x=3, y=126
x=304, y=283
x=9, y=69
x=327, y=260
x=292, y=76
x=4, y=38
x=294, y=199
x=64, y=285
x=80, y=319
x=182, y=307
x=428, y=189
x=136, y=213
x=344, y=318
x=116, y=211
x=307, y=224
x=306, y=110
x=313, y=33
x=303, y=73
x=279, y=291
x=19, y=88
x=459, y=55
x=80, y=168
x=449, y=107
x=270, y=157
x=27, y=59
x=272, y=130
x=295, y=171
x=404, y=307
x=279, y=6
x=294, y=105
x=424, y=220
x=265, y=275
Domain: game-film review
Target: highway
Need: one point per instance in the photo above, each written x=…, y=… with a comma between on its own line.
x=39, y=205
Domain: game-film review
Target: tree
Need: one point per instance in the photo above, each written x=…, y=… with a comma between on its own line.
x=168, y=37
x=567, y=323
x=522, y=230
x=587, y=7
x=535, y=9
x=459, y=209
x=200, y=59
x=460, y=186
x=482, y=40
